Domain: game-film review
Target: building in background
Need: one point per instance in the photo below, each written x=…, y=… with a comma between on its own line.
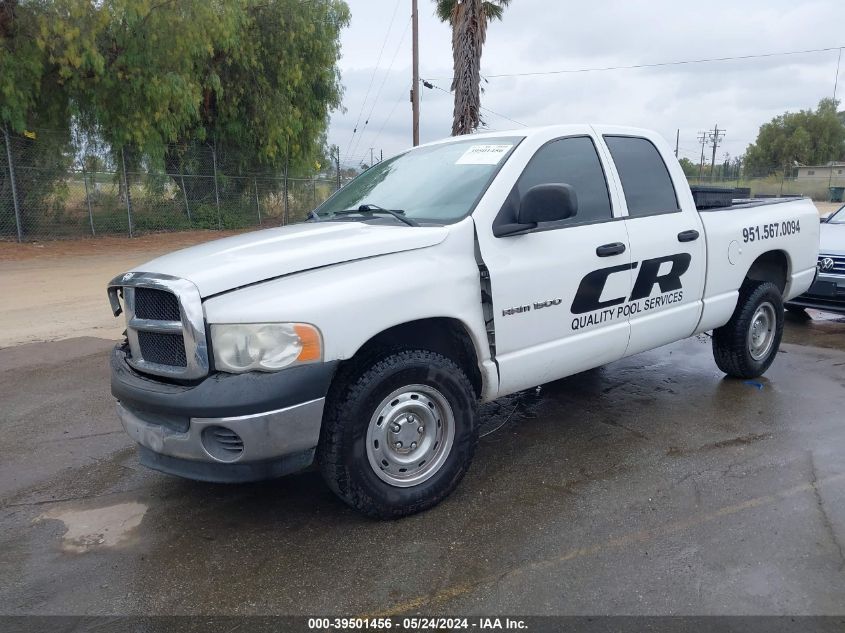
x=832, y=169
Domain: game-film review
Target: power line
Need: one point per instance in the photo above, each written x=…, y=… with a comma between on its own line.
x=381, y=86
x=389, y=116
x=429, y=84
x=659, y=64
x=502, y=116
x=373, y=76
x=389, y=68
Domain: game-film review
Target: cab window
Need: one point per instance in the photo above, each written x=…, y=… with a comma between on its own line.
x=645, y=180
x=573, y=161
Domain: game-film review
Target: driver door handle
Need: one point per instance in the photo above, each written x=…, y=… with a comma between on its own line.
x=688, y=236
x=608, y=250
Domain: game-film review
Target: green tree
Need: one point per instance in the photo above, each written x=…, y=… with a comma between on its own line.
x=469, y=20
x=689, y=167
x=162, y=82
x=806, y=137
x=22, y=63
x=31, y=96
x=130, y=67
x=267, y=95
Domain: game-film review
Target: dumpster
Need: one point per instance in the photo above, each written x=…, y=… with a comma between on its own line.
x=837, y=194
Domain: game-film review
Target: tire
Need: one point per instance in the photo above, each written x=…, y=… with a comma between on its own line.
x=361, y=454
x=741, y=352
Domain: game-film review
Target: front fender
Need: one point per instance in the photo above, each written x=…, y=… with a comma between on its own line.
x=354, y=301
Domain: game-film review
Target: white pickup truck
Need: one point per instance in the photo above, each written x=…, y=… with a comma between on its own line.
x=449, y=275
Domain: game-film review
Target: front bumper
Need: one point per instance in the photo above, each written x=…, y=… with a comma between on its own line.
x=827, y=293
x=226, y=428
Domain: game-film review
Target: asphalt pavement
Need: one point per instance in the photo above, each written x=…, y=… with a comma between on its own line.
x=651, y=486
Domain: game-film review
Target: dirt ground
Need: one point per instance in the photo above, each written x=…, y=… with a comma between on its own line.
x=57, y=290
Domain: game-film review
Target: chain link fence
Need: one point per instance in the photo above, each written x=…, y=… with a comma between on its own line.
x=821, y=187
x=54, y=186
x=52, y=189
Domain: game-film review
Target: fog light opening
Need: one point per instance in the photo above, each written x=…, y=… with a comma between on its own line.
x=222, y=444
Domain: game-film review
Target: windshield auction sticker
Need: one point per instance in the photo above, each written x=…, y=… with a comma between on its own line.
x=483, y=155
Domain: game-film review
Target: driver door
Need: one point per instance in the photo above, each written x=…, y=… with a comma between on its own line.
x=558, y=290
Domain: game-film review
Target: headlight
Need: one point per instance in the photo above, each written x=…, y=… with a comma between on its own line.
x=241, y=347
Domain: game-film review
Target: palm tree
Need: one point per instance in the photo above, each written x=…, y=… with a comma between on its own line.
x=469, y=20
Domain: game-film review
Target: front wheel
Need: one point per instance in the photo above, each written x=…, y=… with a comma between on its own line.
x=747, y=344
x=399, y=434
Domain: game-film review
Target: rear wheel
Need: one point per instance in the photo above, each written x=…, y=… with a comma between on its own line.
x=746, y=345
x=398, y=433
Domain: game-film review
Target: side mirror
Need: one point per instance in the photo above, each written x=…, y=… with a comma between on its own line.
x=541, y=203
x=547, y=203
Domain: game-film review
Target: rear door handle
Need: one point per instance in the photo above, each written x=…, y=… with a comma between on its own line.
x=608, y=250
x=688, y=236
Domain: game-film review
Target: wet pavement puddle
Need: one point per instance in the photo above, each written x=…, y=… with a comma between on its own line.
x=86, y=530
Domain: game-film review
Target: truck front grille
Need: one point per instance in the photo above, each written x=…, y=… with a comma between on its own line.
x=165, y=325
x=162, y=349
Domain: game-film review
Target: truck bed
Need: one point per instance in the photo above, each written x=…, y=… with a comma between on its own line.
x=785, y=230
x=749, y=203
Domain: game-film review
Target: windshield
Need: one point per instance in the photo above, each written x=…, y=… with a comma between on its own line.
x=440, y=183
x=838, y=217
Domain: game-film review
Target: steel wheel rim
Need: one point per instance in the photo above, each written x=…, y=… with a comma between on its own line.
x=410, y=435
x=761, y=333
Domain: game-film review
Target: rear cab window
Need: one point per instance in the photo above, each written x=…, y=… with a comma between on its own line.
x=646, y=182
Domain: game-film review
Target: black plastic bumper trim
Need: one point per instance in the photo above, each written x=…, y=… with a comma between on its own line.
x=220, y=394
x=225, y=473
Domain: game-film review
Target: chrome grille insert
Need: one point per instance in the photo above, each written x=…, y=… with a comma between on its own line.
x=165, y=325
x=838, y=264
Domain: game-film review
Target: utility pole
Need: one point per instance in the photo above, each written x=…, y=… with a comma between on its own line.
x=716, y=137
x=702, y=138
x=11, y=164
x=371, y=156
x=337, y=163
x=677, y=141
x=380, y=155
x=126, y=190
x=415, y=90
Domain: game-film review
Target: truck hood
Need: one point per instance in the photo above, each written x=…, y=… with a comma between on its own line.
x=222, y=265
x=832, y=239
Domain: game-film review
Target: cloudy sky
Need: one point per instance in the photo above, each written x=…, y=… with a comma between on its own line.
x=548, y=35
